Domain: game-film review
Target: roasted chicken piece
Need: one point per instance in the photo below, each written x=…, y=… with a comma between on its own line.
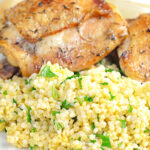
x=74, y=33
x=134, y=53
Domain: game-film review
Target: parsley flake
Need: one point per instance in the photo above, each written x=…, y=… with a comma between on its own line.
x=105, y=140
x=130, y=109
x=46, y=72
x=54, y=93
x=79, y=139
x=111, y=96
x=80, y=82
x=71, y=77
x=14, y=101
x=93, y=141
x=55, y=112
x=59, y=126
x=65, y=105
x=146, y=131
x=104, y=83
x=93, y=126
x=123, y=122
x=28, y=114
x=88, y=99
x=33, y=130
x=2, y=121
x=5, y=92
x=109, y=70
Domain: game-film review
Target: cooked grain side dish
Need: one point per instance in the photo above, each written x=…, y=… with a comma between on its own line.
x=90, y=110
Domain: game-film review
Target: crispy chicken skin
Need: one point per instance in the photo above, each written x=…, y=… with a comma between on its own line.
x=134, y=53
x=74, y=33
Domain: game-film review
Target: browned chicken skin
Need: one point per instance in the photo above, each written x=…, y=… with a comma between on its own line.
x=74, y=33
x=134, y=53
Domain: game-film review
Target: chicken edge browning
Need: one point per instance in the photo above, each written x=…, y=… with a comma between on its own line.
x=134, y=53
x=76, y=48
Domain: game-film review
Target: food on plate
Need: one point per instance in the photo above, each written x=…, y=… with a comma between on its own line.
x=76, y=33
x=134, y=53
x=91, y=110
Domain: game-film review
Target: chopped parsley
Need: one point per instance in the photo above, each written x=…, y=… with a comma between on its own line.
x=33, y=89
x=120, y=144
x=79, y=99
x=28, y=82
x=16, y=112
x=100, y=62
x=104, y=83
x=54, y=93
x=28, y=114
x=130, y=109
x=109, y=70
x=93, y=126
x=54, y=120
x=14, y=101
x=73, y=76
x=33, y=130
x=111, y=96
x=46, y=72
x=98, y=117
x=59, y=126
x=2, y=121
x=105, y=140
x=93, y=141
x=5, y=92
x=65, y=105
x=80, y=82
x=55, y=112
x=102, y=148
x=123, y=123
x=79, y=139
x=32, y=147
x=121, y=72
x=146, y=131
x=5, y=130
x=88, y=99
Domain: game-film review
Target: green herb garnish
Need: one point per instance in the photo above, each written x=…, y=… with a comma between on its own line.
x=93, y=126
x=123, y=122
x=93, y=141
x=79, y=99
x=2, y=121
x=28, y=114
x=130, y=108
x=33, y=89
x=16, y=112
x=105, y=140
x=109, y=70
x=5, y=92
x=28, y=82
x=14, y=101
x=33, y=130
x=5, y=130
x=54, y=93
x=32, y=147
x=55, y=112
x=65, y=105
x=73, y=76
x=80, y=82
x=79, y=139
x=104, y=83
x=146, y=131
x=46, y=72
x=59, y=126
x=88, y=99
x=119, y=145
x=111, y=96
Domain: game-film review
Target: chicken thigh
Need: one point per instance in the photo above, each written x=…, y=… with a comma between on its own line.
x=73, y=33
x=134, y=53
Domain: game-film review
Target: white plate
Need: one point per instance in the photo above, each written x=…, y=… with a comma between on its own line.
x=128, y=9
